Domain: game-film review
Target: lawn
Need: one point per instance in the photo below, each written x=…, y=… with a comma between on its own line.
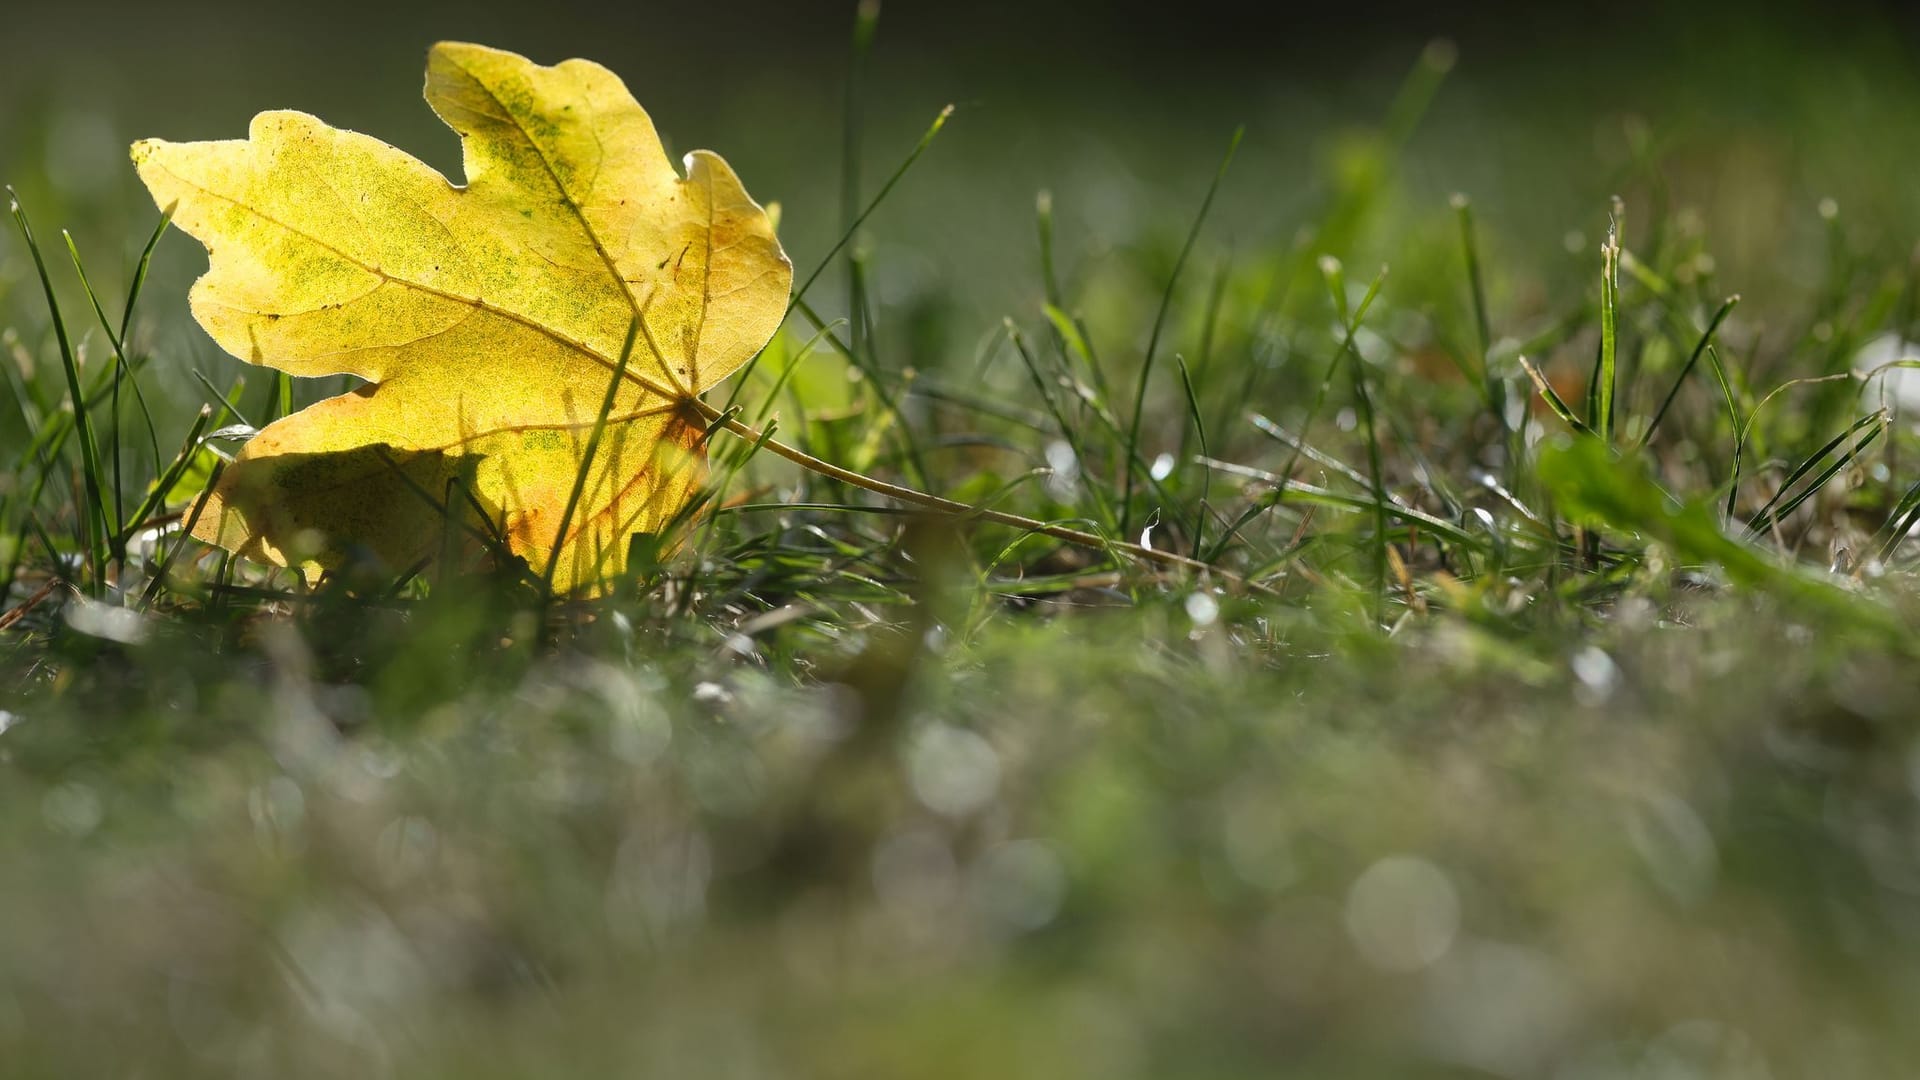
x=1517, y=679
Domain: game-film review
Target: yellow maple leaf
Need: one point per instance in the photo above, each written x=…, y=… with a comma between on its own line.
x=489, y=320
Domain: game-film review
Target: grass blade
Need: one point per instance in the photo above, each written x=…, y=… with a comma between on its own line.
x=1606, y=374
x=799, y=294
x=122, y=371
x=1358, y=369
x=586, y=460
x=1490, y=389
x=1206, y=471
x=95, y=509
x=1706, y=340
x=1160, y=320
x=1552, y=397
x=163, y=486
x=186, y=537
x=1771, y=515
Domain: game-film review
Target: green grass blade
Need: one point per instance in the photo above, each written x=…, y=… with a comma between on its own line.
x=859, y=219
x=1312, y=453
x=95, y=508
x=163, y=486
x=1333, y=365
x=1552, y=397
x=866, y=25
x=1206, y=471
x=1778, y=507
x=1068, y=430
x=186, y=537
x=1477, y=291
x=1418, y=90
x=1591, y=481
x=1733, y=419
x=916, y=465
x=1043, y=224
x=1284, y=490
x=1160, y=320
x=1376, y=485
x=1329, y=268
x=122, y=371
x=140, y=272
x=1706, y=340
x=1606, y=375
x=586, y=459
x=1901, y=520
x=227, y=400
x=1073, y=339
x=786, y=373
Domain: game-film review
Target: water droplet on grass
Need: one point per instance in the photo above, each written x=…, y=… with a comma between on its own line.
x=1598, y=675
x=1202, y=609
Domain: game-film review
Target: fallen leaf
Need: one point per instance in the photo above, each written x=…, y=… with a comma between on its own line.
x=488, y=320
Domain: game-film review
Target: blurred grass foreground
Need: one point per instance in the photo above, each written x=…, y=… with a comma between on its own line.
x=1543, y=705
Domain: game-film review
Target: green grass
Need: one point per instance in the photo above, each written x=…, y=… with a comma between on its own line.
x=1524, y=686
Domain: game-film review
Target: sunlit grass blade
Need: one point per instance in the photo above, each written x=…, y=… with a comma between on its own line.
x=786, y=373
x=1206, y=471
x=866, y=25
x=1043, y=225
x=911, y=451
x=1092, y=405
x=1490, y=388
x=165, y=569
x=1193, y=376
x=43, y=452
x=1312, y=453
x=1329, y=265
x=139, y=282
x=1418, y=90
x=716, y=488
x=1606, y=373
x=1302, y=492
x=281, y=402
x=1901, y=520
x=1552, y=397
x=164, y=484
x=587, y=457
x=122, y=371
x=1744, y=433
x=1376, y=484
x=1351, y=331
x=227, y=401
x=853, y=227
x=846, y=235
x=1706, y=340
x=451, y=508
x=1073, y=338
x=94, y=508
x=1068, y=430
x=1781, y=505
x=1160, y=320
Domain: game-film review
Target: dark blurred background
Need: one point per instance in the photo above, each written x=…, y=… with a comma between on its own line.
x=1121, y=109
